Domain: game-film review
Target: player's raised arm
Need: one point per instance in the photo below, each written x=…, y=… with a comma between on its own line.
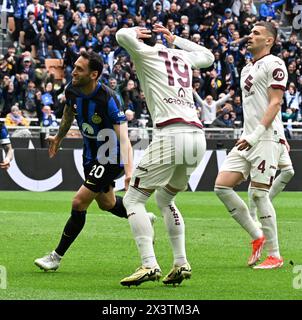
x=66, y=122
x=128, y=38
x=200, y=57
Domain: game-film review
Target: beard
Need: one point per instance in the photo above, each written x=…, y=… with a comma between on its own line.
x=81, y=82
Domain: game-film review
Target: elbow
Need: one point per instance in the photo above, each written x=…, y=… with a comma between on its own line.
x=120, y=34
x=210, y=60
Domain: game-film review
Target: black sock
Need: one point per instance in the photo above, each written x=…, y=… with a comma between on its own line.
x=119, y=209
x=72, y=229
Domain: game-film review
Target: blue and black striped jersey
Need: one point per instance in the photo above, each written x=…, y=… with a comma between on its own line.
x=4, y=136
x=96, y=114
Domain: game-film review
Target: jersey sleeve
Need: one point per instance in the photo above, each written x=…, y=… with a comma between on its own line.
x=277, y=75
x=127, y=38
x=199, y=57
x=116, y=114
x=4, y=136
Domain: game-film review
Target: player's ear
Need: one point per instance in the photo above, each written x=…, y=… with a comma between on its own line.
x=270, y=41
x=94, y=75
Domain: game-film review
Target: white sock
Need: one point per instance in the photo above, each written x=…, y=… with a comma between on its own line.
x=174, y=224
x=134, y=202
x=267, y=217
x=252, y=205
x=238, y=210
x=281, y=181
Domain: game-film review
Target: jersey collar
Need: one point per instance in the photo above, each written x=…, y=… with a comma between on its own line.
x=92, y=93
x=254, y=61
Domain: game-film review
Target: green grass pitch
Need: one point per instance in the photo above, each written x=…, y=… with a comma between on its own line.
x=104, y=253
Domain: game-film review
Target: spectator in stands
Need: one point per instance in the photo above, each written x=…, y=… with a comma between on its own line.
x=267, y=10
x=31, y=29
x=237, y=107
x=292, y=74
x=81, y=10
x=59, y=39
x=291, y=98
x=93, y=26
x=19, y=17
x=70, y=56
x=48, y=117
x=209, y=107
x=248, y=13
x=293, y=45
x=11, y=60
x=36, y=8
x=27, y=68
x=9, y=96
x=7, y=12
x=43, y=41
x=226, y=119
x=29, y=106
x=15, y=117
x=158, y=15
x=76, y=26
x=90, y=40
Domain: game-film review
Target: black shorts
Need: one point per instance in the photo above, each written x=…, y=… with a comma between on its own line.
x=99, y=177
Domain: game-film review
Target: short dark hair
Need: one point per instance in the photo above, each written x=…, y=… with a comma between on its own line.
x=151, y=41
x=269, y=27
x=95, y=61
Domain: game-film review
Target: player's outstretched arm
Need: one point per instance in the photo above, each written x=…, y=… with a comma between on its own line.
x=66, y=122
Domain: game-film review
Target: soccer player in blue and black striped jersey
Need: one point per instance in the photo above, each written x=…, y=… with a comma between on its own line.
x=107, y=151
x=6, y=144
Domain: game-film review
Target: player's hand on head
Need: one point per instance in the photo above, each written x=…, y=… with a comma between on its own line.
x=143, y=33
x=158, y=28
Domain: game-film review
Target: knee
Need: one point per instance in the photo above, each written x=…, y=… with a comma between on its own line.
x=106, y=204
x=258, y=194
x=128, y=199
x=134, y=197
x=163, y=199
x=288, y=173
x=220, y=190
x=78, y=204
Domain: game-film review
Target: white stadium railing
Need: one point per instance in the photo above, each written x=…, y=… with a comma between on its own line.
x=294, y=129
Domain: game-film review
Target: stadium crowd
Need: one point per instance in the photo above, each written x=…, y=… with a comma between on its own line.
x=40, y=31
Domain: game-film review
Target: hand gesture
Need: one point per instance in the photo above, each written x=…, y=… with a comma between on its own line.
x=158, y=28
x=143, y=33
x=54, y=145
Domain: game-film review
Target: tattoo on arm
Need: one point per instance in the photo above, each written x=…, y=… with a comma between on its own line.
x=66, y=122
